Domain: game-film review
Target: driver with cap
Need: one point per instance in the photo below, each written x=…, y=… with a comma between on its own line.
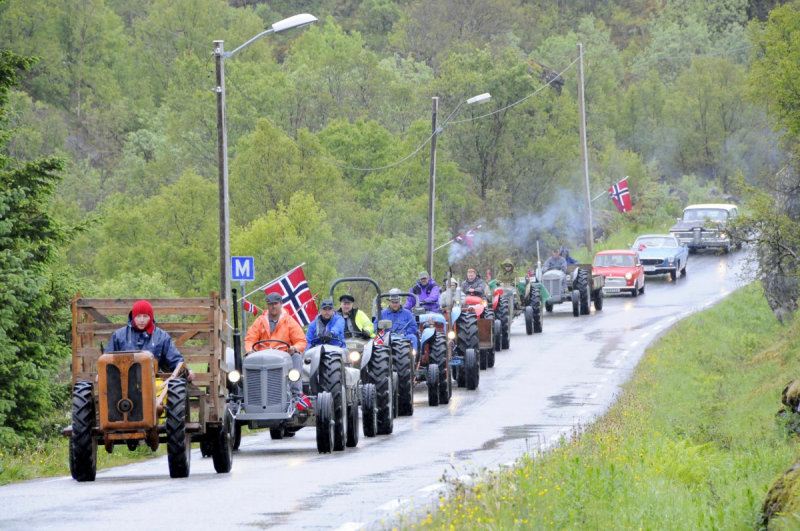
x=356, y=322
x=403, y=322
x=327, y=328
x=277, y=324
x=555, y=262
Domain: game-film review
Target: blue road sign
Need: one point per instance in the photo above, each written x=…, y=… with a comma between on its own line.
x=243, y=268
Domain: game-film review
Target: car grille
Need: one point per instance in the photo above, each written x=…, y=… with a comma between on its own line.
x=616, y=282
x=253, y=383
x=652, y=261
x=274, y=386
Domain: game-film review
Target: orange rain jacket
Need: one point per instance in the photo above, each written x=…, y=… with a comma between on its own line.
x=287, y=330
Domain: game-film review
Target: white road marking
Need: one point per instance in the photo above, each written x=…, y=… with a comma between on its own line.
x=645, y=334
x=658, y=327
x=351, y=526
x=634, y=343
x=591, y=396
x=392, y=505
x=431, y=488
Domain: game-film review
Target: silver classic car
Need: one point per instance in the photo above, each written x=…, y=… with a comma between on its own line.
x=703, y=226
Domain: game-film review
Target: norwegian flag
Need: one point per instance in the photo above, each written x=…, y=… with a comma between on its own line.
x=466, y=238
x=293, y=289
x=619, y=194
x=530, y=273
x=303, y=403
x=251, y=308
x=380, y=337
x=488, y=274
x=642, y=247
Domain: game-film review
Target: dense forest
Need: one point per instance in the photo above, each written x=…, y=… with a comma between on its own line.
x=121, y=102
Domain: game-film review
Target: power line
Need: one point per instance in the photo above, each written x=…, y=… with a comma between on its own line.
x=315, y=154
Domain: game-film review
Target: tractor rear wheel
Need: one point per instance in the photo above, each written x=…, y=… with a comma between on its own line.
x=369, y=411
x=403, y=362
x=379, y=373
x=466, y=339
x=536, y=306
x=325, y=423
x=472, y=370
x=82, y=446
x=497, y=335
x=352, y=424
x=582, y=285
x=331, y=379
x=223, y=445
x=433, y=384
x=237, y=435
x=179, y=446
x=438, y=355
x=505, y=320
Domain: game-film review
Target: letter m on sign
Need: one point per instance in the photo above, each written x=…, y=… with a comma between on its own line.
x=243, y=268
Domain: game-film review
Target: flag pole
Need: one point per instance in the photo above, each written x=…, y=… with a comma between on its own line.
x=272, y=281
x=454, y=239
x=599, y=196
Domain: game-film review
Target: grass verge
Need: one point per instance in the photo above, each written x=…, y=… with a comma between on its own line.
x=691, y=442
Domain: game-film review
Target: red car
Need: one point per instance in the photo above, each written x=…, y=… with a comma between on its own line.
x=623, y=271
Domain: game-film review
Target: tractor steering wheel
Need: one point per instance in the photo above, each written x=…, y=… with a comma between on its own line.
x=288, y=346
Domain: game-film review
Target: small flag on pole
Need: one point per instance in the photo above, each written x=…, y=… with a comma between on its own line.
x=488, y=274
x=466, y=238
x=620, y=195
x=293, y=289
x=250, y=307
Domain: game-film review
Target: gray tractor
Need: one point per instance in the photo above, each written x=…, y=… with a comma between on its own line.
x=578, y=285
x=332, y=386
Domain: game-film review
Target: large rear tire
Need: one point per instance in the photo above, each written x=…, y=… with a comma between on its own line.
x=379, y=373
x=505, y=319
x=223, y=445
x=369, y=411
x=582, y=285
x=438, y=355
x=497, y=335
x=536, y=307
x=325, y=423
x=403, y=362
x=352, y=423
x=82, y=446
x=472, y=370
x=433, y=384
x=179, y=446
x=332, y=380
x=466, y=339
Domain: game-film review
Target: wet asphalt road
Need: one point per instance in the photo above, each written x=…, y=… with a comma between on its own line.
x=539, y=390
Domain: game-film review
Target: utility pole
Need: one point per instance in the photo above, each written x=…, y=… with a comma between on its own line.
x=222, y=159
x=585, y=156
x=432, y=184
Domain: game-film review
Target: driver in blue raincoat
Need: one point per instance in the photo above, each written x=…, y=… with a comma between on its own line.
x=328, y=326
x=404, y=323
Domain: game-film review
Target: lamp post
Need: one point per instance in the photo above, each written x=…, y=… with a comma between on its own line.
x=435, y=130
x=222, y=146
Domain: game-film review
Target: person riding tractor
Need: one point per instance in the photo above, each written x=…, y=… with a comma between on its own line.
x=474, y=285
x=356, y=321
x=427, y=292
x=555, y=262
x=328, y=327
x=403, y=322
x=565, y=255
x=141, y=333
x=276, y=324
x=507, y=276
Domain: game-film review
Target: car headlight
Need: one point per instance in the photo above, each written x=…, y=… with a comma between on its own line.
x=451, y=334
x=671, y=259
x=294, y=375
x=234, y=376
x=628, y=276
x=722, y=235
x=355, y=356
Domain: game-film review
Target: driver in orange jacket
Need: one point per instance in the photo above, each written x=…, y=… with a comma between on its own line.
x=277, y=324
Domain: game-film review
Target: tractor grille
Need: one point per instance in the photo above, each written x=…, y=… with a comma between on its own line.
x=274, y=386
x=652, y=261
x=616, y=282
x=252, y=382
x=552, y=286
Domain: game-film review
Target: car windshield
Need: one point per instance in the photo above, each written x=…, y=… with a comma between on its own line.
x=613, y=260
x=655, y=242
x=700, y=214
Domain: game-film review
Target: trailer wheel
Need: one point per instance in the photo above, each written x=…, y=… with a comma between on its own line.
x=207, y=448
x=223, y=445
x=582, y=285
x=433, y=384
x=438, y=355
x=82, y=446
x=179, y=446
x=369, y=411
x=529, y=320
x=598, y=299
x=325, y=423
x=472, y=370
x=352, y=423
x=536, y=308
x=379, y=373
x=404, y=365
x=237, y=435
x=332, y=380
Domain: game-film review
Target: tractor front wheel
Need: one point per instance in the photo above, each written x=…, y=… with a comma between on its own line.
x=332, y=380
x=582, y=285
x=438, y=355
x=536, y=307
x=529, y=320
x=471, y=369
x=325, y=423
x=223, y=445
x=505, y=319
x=433, y=384
x=369, y=411
x=598, y=299
x=403, y=363
x=82, y=446
x=352, y=424
x=179, y=446
x=379, y=373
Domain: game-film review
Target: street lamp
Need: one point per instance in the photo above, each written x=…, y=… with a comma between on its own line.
x=480, y=98
x=222, y=146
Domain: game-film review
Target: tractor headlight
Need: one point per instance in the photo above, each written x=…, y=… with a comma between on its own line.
x=413, y=352
x=355, y=356
x=234, y=376
x=451, y=335
x=294, y=375
x=628, y=276
x=484, y=302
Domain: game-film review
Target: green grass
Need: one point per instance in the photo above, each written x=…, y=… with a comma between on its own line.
x=691, y=442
